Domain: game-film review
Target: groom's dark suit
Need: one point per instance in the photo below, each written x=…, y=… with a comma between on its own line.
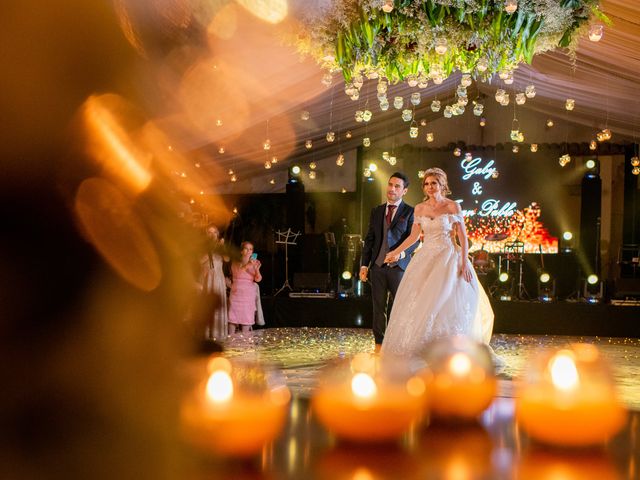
x=385, y=278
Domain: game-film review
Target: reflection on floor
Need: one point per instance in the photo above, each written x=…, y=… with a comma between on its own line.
x=300, y=352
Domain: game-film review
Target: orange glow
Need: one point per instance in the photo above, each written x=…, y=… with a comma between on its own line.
x=110, y=144
x=115, y=230
x=210, y=90
x=224, y=23
x=191, y=180
x=272, y=11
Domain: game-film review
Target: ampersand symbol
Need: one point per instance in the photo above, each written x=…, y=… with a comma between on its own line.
x=477, y=188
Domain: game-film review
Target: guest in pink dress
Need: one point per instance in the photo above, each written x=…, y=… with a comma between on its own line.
x=242, y=301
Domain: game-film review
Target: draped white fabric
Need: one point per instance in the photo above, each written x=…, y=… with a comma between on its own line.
x=270, y=84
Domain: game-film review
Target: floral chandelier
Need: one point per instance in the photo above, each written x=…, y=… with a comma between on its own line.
x=418, y=41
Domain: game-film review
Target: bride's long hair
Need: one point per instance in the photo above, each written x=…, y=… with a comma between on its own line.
x=440, y=176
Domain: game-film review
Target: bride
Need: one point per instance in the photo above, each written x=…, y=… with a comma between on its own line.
x=439, y=295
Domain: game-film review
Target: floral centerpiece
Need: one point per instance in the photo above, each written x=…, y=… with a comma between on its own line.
x=419, y=40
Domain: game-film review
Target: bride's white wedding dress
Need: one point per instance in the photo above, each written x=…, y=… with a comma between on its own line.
x=433, y=300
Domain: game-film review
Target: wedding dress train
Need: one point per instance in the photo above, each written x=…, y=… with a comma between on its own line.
x=433, y=300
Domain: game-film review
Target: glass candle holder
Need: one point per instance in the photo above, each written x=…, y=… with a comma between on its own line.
x=430, y=137
x=415, y=98
x=570, y=104
x=236, y=409
x=366, y=115
x=435, y=106
x=384, y=106
x=567, y=397
x=478, y=108
x=369, y=398
x=465, y=81
x=530, y=91
x=595, y=32
x=340, y=160
x=398, y=102
x=331, y=136
x=441, y=45
x=413, y=132
x=407, y=115
x=510, y=6
x=460, y=378
x=482, y=65
x=521, y=98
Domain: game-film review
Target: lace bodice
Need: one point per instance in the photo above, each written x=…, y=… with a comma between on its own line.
x=438, y=231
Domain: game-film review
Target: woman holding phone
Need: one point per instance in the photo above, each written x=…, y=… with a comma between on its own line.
x=242, y=301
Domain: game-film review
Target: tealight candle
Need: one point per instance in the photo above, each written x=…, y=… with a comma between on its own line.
x=237, y=410
x=369, y=399
x=568, y=398
x=460, y=379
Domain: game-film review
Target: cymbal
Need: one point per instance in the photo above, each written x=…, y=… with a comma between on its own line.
x=496, y=237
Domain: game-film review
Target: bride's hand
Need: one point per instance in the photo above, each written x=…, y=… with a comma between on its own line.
x=465, y=271
x=391, y=257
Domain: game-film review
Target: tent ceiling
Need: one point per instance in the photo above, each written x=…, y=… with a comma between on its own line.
x=258, y=86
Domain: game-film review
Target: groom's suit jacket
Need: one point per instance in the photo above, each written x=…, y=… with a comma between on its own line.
x=399, y=229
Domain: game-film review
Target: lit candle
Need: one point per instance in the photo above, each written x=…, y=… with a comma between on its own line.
x=460, y=379
x=568, y=398
x=369, y=399
x=236, y=411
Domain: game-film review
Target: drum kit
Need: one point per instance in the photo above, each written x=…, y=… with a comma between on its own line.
x=510, y=260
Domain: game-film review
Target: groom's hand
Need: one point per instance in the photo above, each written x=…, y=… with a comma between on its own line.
x=363, y=273
x=391, y=257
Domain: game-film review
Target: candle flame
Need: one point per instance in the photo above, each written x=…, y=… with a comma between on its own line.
x=219, y=387
x=363, y=386
x=460, y=364
x=564, y=373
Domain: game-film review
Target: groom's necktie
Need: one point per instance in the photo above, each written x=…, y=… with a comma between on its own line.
x=390, y=209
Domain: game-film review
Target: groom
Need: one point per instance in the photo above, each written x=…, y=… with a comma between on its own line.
x=389, y=225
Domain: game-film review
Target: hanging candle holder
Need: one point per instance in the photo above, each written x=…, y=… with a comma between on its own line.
x=413, y=130
x=530, y=91
x=435, y=106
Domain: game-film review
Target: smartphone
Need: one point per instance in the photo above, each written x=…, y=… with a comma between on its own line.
x=254, y=256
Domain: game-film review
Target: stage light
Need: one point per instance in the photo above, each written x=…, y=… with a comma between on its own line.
x=593, y=289
x=295, y=170
x=566, y=243
x=590, y=164
x=567, y=235
x=350, y=252
x=373, y=167
x=546, y=287
x=504, y=276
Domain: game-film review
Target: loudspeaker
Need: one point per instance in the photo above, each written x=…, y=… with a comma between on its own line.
x=295, y=206
x=590, y=206
x=311, y=281
x=315, y=253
